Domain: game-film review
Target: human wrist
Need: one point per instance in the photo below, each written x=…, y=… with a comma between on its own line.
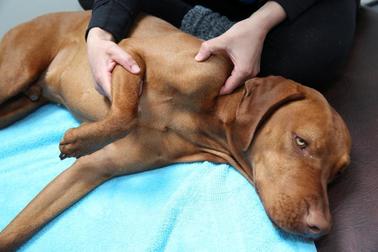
x=97, y=33
x=267, y=17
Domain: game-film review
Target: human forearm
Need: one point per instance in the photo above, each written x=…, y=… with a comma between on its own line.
x=268, y=16
x=115, y=17
x=294, y=8
x=98, y=33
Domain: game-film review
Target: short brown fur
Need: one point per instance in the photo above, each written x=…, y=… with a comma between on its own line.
x=178, y=118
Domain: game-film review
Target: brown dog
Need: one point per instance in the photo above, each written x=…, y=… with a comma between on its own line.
x=283, y=137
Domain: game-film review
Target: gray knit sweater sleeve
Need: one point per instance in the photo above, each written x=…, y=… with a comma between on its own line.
x=204, y=23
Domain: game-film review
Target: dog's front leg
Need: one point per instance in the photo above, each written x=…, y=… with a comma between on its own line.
x=82, y=177
x=90, y=137
x=141, y=150
x=71, y=185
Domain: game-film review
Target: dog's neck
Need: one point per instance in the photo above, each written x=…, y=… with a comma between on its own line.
x=226, y=110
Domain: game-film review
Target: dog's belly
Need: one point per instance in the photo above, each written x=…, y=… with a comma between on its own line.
x=184, y=84
x=68, y=81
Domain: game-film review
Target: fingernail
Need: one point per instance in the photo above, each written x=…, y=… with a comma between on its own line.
x=135, y=69
x=198, y=58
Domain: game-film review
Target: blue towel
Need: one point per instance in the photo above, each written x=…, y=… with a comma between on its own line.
x=186, y=207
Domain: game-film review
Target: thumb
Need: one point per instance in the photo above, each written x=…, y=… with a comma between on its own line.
x=107, y=86
x=209, y=47
x=204, y=52
x=104, y=84
x=124, y=59
x=235, y=80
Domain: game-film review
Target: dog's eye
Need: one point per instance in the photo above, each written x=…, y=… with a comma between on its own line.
x=300, y=142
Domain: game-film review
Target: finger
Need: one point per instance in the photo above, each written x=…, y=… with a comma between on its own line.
x=111, y=65
x=209, y=47
x=124, y=59
x=236, y=79
x=204, y=52
x=99, y=89
x=106, y=85
x=103, y=82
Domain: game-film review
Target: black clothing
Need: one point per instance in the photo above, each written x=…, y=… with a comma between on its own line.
x=117, y=16
x=313, y=48
x=310, y=46
x=114, y=16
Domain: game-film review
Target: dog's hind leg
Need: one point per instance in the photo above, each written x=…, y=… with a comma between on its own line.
x=19, y=106
x=122, y=116
x=22, y=59
x=143, y=149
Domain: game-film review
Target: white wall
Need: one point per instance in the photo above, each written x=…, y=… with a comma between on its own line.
x=13, y=12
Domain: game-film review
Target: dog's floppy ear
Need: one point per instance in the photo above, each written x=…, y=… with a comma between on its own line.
x=262, y=97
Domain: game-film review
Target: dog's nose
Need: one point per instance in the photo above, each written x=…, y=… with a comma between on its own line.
x=318, y=223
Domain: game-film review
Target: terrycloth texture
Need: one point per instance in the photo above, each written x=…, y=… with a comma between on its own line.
x=187, y=207
x=205, y=23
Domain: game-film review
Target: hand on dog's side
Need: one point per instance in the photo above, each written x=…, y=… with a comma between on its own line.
x=243, y=44
x=104, y=55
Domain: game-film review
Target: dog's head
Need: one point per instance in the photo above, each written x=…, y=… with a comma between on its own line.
x=296, y=144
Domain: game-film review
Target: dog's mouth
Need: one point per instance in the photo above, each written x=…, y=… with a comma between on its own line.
x=300, y=219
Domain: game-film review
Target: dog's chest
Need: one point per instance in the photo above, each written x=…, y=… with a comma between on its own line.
x=169, y=113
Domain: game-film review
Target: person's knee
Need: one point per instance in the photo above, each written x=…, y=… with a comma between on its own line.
x=321, y=60
x=313, y=49
x=311, y=65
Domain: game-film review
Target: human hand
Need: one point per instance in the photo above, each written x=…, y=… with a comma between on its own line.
x=103, y=56
x=243, y=43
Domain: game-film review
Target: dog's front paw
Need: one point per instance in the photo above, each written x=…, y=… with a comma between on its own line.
x=75, y=144
x=69, y=146
x=79, y=142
